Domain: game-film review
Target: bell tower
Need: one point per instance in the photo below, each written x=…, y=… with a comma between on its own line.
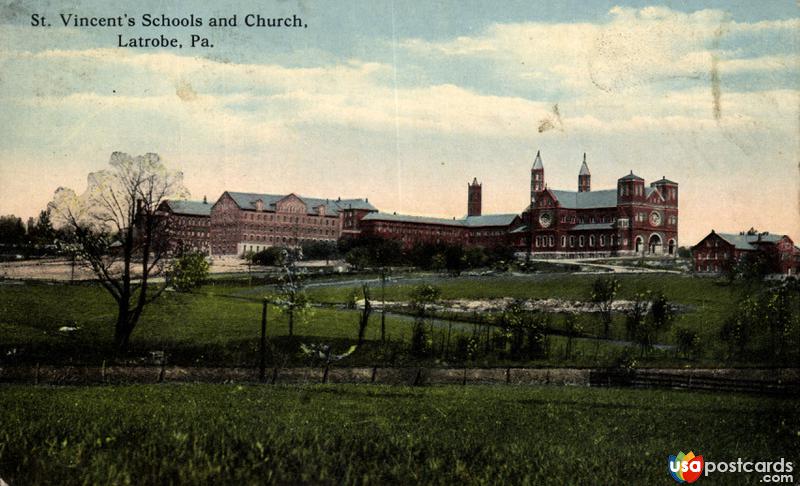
x=537, y=177
x=474, y=198
x=584, y=177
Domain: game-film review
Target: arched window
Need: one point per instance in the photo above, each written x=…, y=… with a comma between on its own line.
x=591, y=240
x=563, y=241
x=581, y=241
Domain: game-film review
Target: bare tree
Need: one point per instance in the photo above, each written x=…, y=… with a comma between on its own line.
x=116, y=230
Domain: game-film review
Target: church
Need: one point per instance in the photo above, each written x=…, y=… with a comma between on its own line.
x=632, y=219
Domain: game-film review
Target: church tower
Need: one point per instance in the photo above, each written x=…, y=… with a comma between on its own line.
x=584, y=177
x=474, y=198
x=537, y=177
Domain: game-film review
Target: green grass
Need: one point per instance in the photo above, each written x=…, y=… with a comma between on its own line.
x=204, y=434
x=709, y=301
x=219, y=324
x=214, y=327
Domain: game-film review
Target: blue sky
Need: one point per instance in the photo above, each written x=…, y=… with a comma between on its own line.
x=404, y=102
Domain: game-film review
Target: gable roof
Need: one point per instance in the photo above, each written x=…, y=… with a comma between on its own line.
x=748, y=241
x=247, y=201
x=606, y=198
x=468, y=222
x=190, y=208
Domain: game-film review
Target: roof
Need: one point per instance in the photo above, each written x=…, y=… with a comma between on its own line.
x=747, y=241
x=191, y=208
x=631, y=177
x=664, y=180
x=490, y=220
x=537, y=163
x=584, y=168
x=586, y=200
x=468, y=222
x=592, y=226
x=247, y=200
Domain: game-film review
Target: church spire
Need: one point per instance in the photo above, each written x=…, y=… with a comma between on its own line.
x=537, y=163
x=584, y=177
x=537, y=177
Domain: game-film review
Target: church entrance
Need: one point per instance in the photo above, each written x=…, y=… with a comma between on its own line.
x=639, y=244
x=654, y=245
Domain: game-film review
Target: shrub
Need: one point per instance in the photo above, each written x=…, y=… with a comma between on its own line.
x=188, y=270
x=421, y=340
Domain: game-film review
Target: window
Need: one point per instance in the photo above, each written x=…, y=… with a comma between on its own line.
x=571, y=241
x=591, y=240
x=581, y=241
x=602, y=240
x=563, y=241
x=552, y=240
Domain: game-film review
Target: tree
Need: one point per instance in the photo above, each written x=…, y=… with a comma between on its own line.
x=12, y=230
x=363, y=320
x=116, y=231
x=688, y=341
x=604, y=290
x=188, y=270
x=320, y=250
x=294, y=299
x=41, y=231
x=636, y=321
x=422, y=296
x=572, y=328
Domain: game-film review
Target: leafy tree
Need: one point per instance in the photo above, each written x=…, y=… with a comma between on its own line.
x=268, y=257
x=421, y=340
x=604, y=290
x=636, y=321
x=116, y=231
x=42, y=232
x=513, y=324
x=422, y=296
x=537, y=336
x=188, y=270
x=751, y=269
x=293, y=298
x=662, y=312
x=739, y=329
x=12, y=230
x=688, y=341
x=320, y=250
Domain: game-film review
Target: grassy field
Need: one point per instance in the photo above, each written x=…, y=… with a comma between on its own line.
x=219, y=324
x=379, y=435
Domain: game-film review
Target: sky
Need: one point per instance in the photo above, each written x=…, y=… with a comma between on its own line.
x=405, y=102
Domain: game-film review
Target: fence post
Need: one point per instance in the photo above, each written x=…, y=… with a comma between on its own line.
x=262, y=367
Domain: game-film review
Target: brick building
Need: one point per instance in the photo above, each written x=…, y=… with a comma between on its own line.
x=242, y=222
x=486, y=231
x=189, y=223
x=719, y=252
x=633, y=219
